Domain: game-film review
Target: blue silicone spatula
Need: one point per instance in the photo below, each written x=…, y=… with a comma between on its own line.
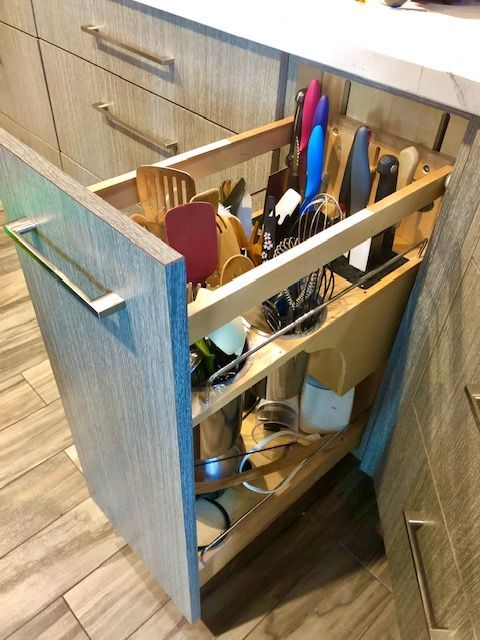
x=315, y=151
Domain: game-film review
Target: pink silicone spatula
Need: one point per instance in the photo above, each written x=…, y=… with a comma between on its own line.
x=310, y=102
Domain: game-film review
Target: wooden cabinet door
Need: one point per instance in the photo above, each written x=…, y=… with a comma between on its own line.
x=124, y=376
x=447, y=407
x=428, y=590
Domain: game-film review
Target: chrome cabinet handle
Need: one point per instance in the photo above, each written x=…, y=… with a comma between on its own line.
x=473, y=395
x=94, y=30
x=104, y=109
x=414, y=522
x=102, y=306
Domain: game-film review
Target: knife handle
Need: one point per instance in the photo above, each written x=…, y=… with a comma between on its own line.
x=297, y=125
x=361, y=181
x=408, y=163
x=388, y=169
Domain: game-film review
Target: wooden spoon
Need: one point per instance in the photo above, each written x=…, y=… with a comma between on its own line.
x=234, y=267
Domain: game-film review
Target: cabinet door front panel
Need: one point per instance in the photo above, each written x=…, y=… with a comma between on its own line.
x=238, y=79
x=108, y=149
x=448, y=412
x=124, y=378
x=19, y=14
x=420, y=557
x=23, y=92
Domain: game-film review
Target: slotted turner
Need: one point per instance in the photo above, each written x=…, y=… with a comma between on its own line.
x=192, y=231
x=160, y=189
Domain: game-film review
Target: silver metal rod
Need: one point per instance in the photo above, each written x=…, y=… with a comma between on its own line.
x=104, y=109
x=413, y=522
x=307, y=461
x=308, y=315
x=94, y=30
x=102, y=306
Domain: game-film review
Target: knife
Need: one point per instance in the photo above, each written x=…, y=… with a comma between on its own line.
x=407, y=165
x=310, y=102
x=360, y=186
x=387, y=169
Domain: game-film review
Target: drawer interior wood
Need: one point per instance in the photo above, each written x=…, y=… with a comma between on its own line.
x=387, y=297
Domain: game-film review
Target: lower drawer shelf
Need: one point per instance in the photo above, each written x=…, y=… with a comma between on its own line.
x=252, y=513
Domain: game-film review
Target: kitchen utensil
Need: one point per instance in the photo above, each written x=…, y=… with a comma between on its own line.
x=322, y=410
x=293, y=157
x=407, y=165
x=160, y=189
x=230, y=338
x=192, y=231
x=211, y=195
x=321, y=115
x=227, y=242
x=315, y=153
x=234, y=267
x=387, y=169
x=232, y=202
x=287, y=205
x=237, y=227
x=269, y=229
x=225, y=189
x=244, y=213
x=361, y=183
x=157, y=228
x=254, y=246
x=310, y=102
x=345, y=193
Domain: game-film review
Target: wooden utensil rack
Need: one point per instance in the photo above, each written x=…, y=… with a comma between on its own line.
x=344, y=349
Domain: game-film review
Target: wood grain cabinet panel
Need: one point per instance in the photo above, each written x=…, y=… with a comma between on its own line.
x=125, y=389
x=43, y=148
x=451, y=431
x=229, y=80
x=23, y=91
x=19, y=14
x=81, y=175
x=106, y=149
x=405, y=490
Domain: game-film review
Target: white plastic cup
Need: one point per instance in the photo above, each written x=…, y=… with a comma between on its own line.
x=322, y=410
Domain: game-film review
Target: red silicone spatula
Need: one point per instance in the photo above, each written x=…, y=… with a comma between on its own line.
x=192, y=231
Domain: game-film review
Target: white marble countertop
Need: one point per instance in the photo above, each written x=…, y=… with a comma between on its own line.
x=432, y=53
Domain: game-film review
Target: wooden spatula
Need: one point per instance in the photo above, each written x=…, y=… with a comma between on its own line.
x=160, y=189
x=212, y=196
x=192, y=231
x=234, y=267
x=157, y=228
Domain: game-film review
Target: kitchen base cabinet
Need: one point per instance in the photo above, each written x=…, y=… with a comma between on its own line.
x=430, y=389
x=111, y=302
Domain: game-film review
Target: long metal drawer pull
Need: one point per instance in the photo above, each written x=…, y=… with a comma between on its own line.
x=102, y=306
x=104, y=109
x=94, y=30
x=414, y=522
x=473, y=395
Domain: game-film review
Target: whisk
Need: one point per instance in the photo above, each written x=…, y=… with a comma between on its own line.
x=317, y=286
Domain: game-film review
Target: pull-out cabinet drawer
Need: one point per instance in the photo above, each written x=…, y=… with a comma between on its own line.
x=110, y=299
x=133, y=41
x=23, y=92
x=108, y=125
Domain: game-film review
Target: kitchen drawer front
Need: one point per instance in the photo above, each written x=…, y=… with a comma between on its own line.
x=106, y=149
x=41, y=147
x=79, y=173
x=450, y=423
x=19, y=14
x=229, y=80
x=116, y=336
x=23, y=92
x=420, y=557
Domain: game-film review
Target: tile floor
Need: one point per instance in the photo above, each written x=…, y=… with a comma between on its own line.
x=66, y=574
